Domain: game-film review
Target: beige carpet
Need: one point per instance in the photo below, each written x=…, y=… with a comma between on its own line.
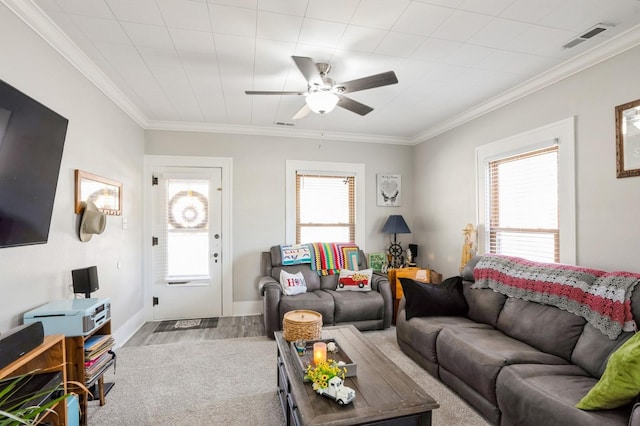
x=229, y=382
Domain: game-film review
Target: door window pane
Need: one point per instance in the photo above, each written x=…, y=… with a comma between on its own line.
x=187, y=229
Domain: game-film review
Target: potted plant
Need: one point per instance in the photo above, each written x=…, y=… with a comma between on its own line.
x=19, y=408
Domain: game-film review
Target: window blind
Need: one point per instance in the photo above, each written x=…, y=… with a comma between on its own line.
x=523, y=205
x=325, y=207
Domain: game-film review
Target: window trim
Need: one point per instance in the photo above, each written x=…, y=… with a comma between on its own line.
x=320, y=167
x=564, y=132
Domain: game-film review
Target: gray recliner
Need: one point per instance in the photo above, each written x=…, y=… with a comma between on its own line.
x=369, y=310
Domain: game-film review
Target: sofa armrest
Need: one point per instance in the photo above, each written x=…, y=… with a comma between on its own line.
x=634, y=418
x=271, y=294
x=380, y=283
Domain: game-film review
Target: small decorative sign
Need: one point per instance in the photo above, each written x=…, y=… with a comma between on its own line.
x=389, y=190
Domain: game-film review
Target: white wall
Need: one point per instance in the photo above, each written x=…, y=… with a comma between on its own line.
x=102, y=140
x=259, y=182
x=608, y=236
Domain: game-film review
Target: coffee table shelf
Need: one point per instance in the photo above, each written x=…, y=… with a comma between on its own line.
x=385, y=395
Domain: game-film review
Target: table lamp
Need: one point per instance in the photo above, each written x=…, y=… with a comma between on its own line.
x=395, y=225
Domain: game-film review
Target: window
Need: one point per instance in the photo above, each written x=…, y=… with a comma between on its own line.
x=324, y=202
x=523, y=205
x=526, y=195
x=325, y=208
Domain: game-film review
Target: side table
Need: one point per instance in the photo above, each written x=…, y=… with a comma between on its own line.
x=419, y=274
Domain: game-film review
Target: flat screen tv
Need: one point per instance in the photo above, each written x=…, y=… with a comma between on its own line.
x=31, y=143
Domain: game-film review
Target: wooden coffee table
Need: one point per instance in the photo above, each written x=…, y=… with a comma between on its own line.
x=385, y=395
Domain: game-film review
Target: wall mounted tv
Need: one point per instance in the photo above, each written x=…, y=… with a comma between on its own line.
x=31, y=144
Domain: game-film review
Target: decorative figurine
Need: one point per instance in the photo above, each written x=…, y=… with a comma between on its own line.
x=337, y=391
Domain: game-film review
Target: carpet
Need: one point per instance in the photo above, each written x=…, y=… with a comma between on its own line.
x=186, y=324
x=229, y=382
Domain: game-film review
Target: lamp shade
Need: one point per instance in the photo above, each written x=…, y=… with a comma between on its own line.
x=321, y=102
x=395, y=225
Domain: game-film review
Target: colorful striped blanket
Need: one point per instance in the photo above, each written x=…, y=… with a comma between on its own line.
x=602, y=298
x=330, y=258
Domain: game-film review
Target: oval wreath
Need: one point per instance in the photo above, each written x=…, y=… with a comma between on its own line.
x=189, y=209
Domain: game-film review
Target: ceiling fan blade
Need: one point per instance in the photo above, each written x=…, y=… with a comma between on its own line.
x=353, y=106
x=308, y=69
x=302, y=113
x=263, y=92
x=364, y=83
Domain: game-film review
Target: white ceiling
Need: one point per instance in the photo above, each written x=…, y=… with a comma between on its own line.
x=185, y=64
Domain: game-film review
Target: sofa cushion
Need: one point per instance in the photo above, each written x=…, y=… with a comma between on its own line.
x=593, y=349
x=484, y=304
x=547, y=328
x=318, y=301
x=424, y=300
x=620, y=383
x=292, y=284
x=351, y=306
x=477, y=355
x=354, y=280
x=534, y=395
x=421, y=333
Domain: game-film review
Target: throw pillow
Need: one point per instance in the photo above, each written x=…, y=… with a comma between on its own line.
x=355, y=280
x=620, y=382
x=429, y=300
x=292, y=283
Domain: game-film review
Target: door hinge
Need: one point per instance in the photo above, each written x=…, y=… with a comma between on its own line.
x=154, y=180
x=155, y=301
x=154, y=241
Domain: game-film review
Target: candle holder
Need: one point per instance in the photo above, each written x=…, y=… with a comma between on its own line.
x=319, y=352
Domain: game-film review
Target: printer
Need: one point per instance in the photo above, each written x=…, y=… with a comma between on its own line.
x=71, y=317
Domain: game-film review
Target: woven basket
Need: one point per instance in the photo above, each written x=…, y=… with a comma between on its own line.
x=302, y=324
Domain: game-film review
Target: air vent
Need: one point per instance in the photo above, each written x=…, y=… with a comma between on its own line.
x=590, y=33
x=282, y=123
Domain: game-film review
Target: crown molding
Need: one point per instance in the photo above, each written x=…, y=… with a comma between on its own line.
x=42, y=25
x=278, y=132
x=616, y=45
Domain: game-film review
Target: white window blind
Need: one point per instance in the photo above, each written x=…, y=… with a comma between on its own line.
x=523, y=205
x=325, y=207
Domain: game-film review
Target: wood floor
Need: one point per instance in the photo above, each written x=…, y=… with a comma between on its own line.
x=227, y=328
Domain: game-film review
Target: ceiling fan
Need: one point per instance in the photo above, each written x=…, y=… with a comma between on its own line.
x=323, y=93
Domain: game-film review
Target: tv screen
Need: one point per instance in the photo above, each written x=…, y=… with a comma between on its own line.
x=31, y=143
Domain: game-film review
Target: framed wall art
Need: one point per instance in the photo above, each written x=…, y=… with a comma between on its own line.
x=377, y=261
x=105, y=193
x=628, y=139
x=388, y=189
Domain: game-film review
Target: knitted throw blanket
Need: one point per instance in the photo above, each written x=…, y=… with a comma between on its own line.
x=602, y=298
x=295, y=254
x=329, y=258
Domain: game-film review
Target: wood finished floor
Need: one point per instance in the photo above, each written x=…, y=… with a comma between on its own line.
x=228, y=328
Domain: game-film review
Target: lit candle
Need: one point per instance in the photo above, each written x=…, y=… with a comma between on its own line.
x=319, y=352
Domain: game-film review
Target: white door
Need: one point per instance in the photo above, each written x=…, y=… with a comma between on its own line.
x=187, y=242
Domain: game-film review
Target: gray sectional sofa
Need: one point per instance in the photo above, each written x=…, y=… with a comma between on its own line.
x=517, y=362
x=370, y=310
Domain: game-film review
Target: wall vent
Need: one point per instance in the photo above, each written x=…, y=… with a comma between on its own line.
x=590, y=33
x=282, y=123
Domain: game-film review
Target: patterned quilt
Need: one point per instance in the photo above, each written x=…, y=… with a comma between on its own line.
x=602, y=298
x=330, y=258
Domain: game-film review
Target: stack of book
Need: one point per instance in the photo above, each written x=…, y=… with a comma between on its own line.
x=97, y=355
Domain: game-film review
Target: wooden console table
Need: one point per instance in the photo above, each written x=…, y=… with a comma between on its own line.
x=385, y=394
x=50, y=356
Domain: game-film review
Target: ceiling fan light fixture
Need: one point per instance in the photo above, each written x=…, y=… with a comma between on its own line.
x=321, y=102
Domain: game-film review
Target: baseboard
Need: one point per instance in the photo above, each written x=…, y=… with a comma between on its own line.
x=126, y=331
x=251, y=307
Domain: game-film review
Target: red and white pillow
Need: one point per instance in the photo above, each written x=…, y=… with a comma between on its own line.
x=292, y=283
x=355, y=280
